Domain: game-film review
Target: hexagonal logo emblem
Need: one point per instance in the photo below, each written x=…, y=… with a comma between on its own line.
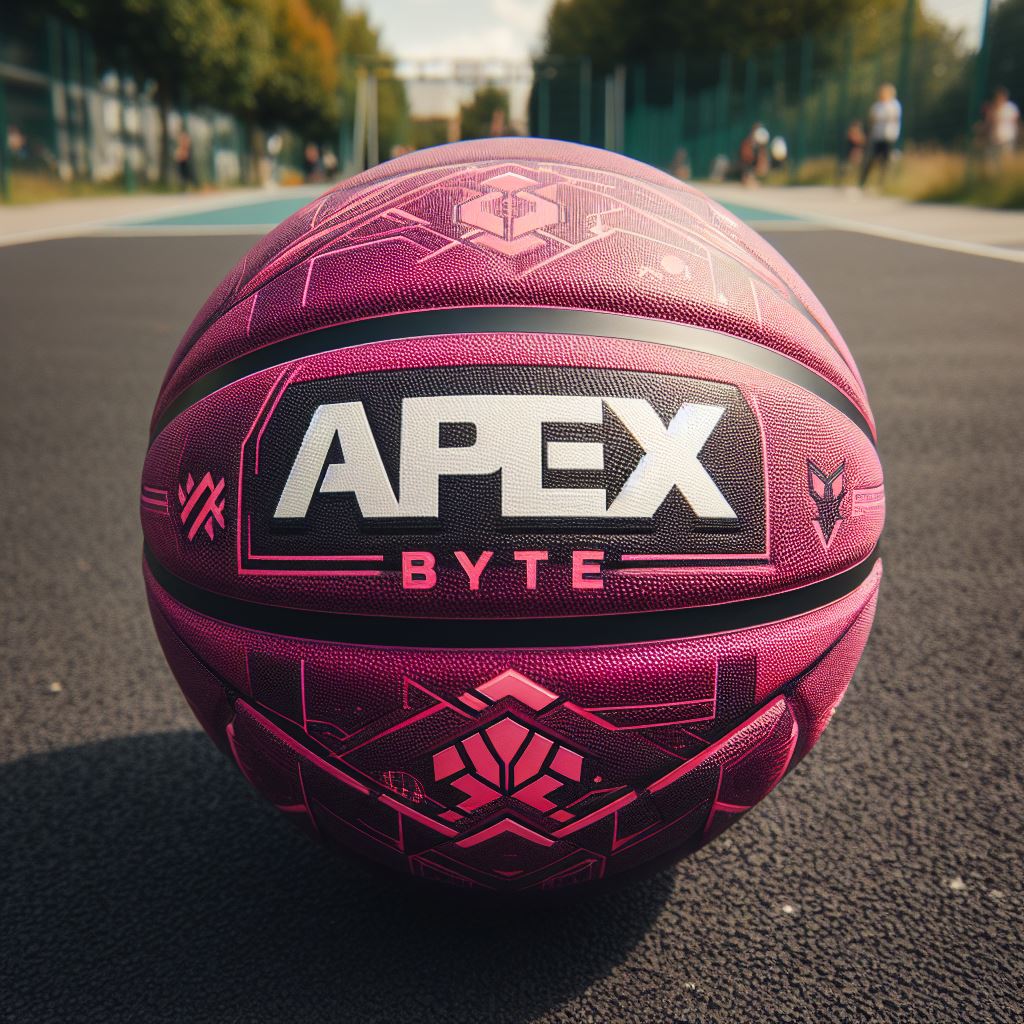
x=509, y=215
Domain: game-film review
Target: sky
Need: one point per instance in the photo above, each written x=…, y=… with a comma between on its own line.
x=505, y=29
x=514, y=29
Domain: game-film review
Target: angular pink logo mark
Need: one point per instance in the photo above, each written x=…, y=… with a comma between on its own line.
x=202, y=505
x=509, y=215
x=508, y=758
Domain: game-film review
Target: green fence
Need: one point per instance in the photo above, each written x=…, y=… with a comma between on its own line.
x=64, y=120
x=693, y=112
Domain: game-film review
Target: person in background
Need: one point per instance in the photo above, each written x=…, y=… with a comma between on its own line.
x=681, y=164
x=1002, y=126
x=753, y=155
x=884, y=124
x=312, y=169
x=183, y=160
x=778, y=151
x=748, y=161
x=853, y=150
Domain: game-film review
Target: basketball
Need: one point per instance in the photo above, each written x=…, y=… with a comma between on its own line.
x=511, y=516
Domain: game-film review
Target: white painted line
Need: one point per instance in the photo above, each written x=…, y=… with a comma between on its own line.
x=186, y=230
x=786, y=225
x=995, y=252
x=47, y=234
x=214, y=203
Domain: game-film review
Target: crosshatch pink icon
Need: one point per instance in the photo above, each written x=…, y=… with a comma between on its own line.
x=555, y=504
x=202, y=505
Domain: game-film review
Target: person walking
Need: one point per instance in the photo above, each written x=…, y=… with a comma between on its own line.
x=183, y=160
x=885, y=120
x=1002, y=126
x=853, y=157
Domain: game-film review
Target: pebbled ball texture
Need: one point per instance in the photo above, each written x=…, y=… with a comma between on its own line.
x=505, y=736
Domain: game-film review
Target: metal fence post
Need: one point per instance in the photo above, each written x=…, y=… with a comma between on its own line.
x=126, y=143
x=723, y=104
x=806, y=64
x=88, y=80
x=5, y=153
x=58, y=97
x=620, y=108
x=750, y=112
x=372, y=121
x=543, y=102
x=843, y=103
x=906, y=56
x=359, y=123
x=979, y=80
x=586, y=90
x=679, y=99
x=778, y=85
x=609, y=112
x=641, y=133
x=72, y=109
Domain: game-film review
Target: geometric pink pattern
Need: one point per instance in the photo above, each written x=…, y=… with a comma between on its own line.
x=509, y=768
x=518, y=781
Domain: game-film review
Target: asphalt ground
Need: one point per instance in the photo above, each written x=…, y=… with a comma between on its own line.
x=143, y=881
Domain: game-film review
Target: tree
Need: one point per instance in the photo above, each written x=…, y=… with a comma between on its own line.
x=172, y=43
x=359, y=44
x=485, y=115
x=610, y=32
x=1006, y=32
x=271, y=63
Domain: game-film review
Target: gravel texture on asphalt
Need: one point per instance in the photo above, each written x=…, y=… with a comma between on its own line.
x=142, y=880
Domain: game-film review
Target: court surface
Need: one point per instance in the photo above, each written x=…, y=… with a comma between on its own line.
x=142, y=880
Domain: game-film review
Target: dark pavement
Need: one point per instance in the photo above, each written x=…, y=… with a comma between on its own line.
x=142, y=881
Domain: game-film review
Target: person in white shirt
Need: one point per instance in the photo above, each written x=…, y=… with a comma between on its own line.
x=884, y=123
x=1002, y=123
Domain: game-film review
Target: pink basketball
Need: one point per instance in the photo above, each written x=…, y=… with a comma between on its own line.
x=511, y=516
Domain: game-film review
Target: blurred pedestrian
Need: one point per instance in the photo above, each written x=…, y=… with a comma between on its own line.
x=885, y=120
x=312, y=169
x=183, y=160
x=747, y=160
x=681, y=164
x=753, y=155
x=778, y=151
x=853, y=150
x=1002, y=126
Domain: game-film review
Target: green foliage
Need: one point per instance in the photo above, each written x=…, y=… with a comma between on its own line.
x=272, y=63
x=359, y=43
x=631, y=31
x=1007, y=34
x=477, y=118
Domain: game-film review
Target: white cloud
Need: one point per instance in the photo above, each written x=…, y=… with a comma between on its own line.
x=499, y=29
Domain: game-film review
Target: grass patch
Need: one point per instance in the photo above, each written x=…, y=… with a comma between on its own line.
x=926, y=176
x=938, y=176
x=816, y=170
x=42, y=187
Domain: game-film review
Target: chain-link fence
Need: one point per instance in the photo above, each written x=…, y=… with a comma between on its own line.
x=812, y=95
x=64, y=120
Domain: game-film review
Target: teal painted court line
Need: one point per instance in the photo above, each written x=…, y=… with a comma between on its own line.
x=752, y=213
x=273, y=211
x=266, y=211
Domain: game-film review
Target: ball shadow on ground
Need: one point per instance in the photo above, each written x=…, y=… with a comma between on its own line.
x=145, y=881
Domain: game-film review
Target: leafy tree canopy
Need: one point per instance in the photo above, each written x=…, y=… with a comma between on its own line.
x=485, y=112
